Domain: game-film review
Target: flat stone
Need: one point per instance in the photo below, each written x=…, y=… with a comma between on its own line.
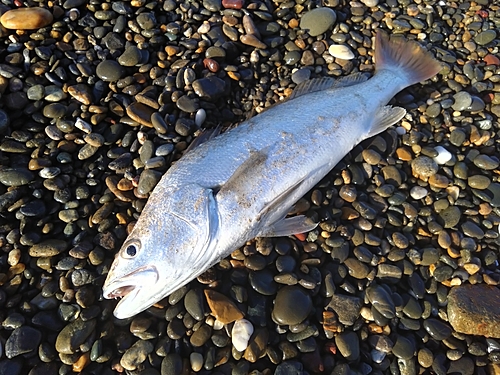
x=346, y=307
x=475, y=310
x=73, y=335
x=136, y=354
x=318, y=20
x=22, y=340
x=222, y=307
x=48, y=248
x=141, y=113
x=292, y=305
x=15, y=176
x=26, y=18
x=109, y=71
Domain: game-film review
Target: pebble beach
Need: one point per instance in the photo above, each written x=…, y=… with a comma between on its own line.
x=98, y=99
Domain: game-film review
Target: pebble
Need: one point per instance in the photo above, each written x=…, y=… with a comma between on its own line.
x=318, y=21
x=241, y=333
x=473, y=310
x=109, y=71
x=291, y=306
x=348, y=345
x=73, y=335
x=443, y=157
x=26, y=18
x=222, y=307
x=136, y=354
x=22, y=340
x=341, y=52
x=15, y=176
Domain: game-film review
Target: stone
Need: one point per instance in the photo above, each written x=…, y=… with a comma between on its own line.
x=22, y=340
x=318, y=20
x=475, y=310
x=26, y=18
x=222, y=307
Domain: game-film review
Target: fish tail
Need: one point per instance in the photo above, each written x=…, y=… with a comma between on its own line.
x=405, y=58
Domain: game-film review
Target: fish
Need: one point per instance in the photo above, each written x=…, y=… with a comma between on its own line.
x=242, y=183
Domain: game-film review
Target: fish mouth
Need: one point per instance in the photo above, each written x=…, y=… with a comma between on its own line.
x=128, y=288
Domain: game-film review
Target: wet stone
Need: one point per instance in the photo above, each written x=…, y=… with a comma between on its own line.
x=209, y=88
x=73, y=335
x=48, y=248
x=348, y=345
x=263, y=282
x=26, y=18
x=222, y=307
x=318, y=21
x=22, y=340
x=130, y=57
x=136, y=354
x=193, y=302
x=15, y=176
x=109, y=71
x=201, y=336
x=291, y=306
x=403, y=348
x=437, y=329
x=381, y=300
x=463, y=100
x=472, y=230
x=450, y=216
x=486, y=162
x=485, y=37
x=475, y=310
x=346, y=307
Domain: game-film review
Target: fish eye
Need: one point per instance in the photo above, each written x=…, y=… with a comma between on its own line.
x=130, y=251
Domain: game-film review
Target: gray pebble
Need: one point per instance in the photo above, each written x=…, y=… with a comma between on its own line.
x=22, y=340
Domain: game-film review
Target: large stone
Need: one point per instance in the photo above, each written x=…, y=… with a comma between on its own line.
x=475, y=310
x=222, y=307
x=26, y=18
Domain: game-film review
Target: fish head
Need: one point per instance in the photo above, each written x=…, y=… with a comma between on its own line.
x=165, y=250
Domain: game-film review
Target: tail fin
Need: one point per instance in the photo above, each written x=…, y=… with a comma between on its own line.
x=407, y=58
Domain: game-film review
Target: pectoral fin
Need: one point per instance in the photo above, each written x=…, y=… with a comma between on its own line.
x=384, y=118
x=289, y=226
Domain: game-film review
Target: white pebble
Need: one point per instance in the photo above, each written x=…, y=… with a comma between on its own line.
x=341, y=52
x=218, y=325
x=83, y=126
x=196, y=360
x=443, y=157
x=418, y=192
x=370, y=3
x=200, y=117
x=241, y=333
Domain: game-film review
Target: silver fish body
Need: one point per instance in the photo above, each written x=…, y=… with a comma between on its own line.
x=241, y=184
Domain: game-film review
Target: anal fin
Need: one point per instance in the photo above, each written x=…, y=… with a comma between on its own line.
x=384, y=118
x=289, y=226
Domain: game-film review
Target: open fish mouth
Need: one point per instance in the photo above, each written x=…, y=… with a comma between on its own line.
x=128, y=288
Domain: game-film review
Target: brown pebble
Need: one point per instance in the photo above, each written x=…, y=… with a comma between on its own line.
x=82, y=362
x=251, y=40
x=438, y=181
x=222, y=307
x=26, y=18
x=403, y=153
x=211, y=65
x=491, y=60
x=233, y=4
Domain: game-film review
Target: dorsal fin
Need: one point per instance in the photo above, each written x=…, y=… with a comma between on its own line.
x=325, y=83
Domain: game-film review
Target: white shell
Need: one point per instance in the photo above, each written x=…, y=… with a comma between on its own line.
x=443, y=157
x=341, y=52
x=241, y=333
x=200, y=117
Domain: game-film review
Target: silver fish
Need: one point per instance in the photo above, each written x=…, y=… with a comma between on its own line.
x=242, y=183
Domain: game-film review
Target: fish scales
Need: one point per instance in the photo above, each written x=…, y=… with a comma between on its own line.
x=242, y=183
